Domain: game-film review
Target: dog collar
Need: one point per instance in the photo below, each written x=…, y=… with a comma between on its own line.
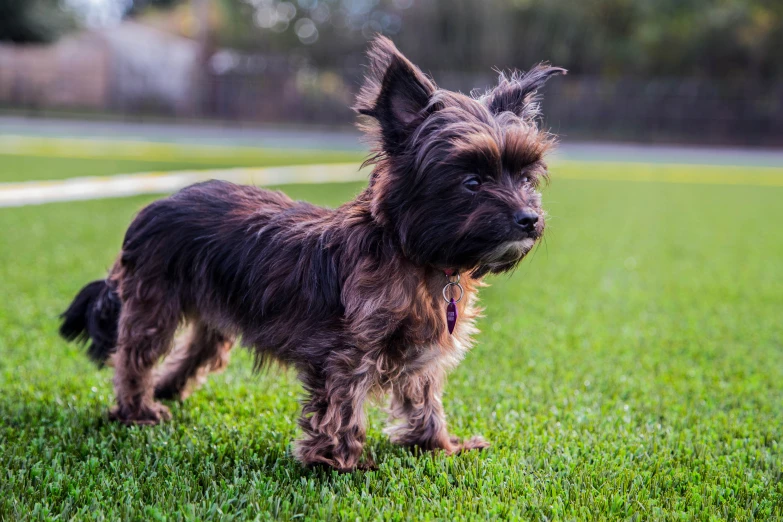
x=448, y=295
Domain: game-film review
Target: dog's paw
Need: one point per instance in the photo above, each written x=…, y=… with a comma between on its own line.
x=146, y=415
x=367, y=465
x=163, y=413
x=473, y=443
x=323, y=467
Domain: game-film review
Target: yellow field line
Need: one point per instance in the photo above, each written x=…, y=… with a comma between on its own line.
x=562, y=169
x=668, y=173
x=34, y=192
x=165, y=152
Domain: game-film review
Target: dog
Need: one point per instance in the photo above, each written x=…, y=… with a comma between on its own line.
x=376, y=297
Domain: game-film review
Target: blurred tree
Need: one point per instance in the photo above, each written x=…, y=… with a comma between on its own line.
x=723, y=39
x=140, y=5
x=708, y=38
x=33, y=21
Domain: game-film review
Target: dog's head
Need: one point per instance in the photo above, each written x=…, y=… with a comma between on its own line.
x=456, y=177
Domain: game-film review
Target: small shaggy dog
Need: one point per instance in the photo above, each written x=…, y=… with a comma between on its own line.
x=377, y=296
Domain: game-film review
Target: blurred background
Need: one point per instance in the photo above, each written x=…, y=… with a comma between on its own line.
x=670, y=71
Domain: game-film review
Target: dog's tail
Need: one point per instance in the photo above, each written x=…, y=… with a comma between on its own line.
x=93, y=316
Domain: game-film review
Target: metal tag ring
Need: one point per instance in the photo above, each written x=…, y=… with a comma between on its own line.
x=461, y=291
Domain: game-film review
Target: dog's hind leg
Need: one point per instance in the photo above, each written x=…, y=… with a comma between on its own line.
x=200, y=351
x=146, y=329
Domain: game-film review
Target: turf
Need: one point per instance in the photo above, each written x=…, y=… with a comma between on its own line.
x=631, y=368
x=20, y=167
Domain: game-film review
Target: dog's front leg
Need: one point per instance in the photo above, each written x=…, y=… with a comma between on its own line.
x=333, y=420
x=421, y=422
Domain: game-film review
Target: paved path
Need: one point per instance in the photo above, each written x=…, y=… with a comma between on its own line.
x=670, y=154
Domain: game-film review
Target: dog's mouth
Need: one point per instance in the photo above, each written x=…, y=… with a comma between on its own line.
x=509, y=252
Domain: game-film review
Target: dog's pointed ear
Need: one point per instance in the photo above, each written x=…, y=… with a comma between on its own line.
x=395, y=93
x=517, y=92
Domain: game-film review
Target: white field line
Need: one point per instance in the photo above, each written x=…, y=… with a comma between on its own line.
x=75, y=189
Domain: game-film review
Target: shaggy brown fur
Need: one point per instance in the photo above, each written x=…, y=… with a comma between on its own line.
x=350, y=297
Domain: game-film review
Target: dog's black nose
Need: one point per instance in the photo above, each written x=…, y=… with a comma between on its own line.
x=526, y=219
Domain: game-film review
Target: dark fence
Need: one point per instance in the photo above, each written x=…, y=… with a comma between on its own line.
x=667, y=110
x=233, y=87
x=590, y=108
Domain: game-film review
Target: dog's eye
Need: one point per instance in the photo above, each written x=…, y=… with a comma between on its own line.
x=472, y=183
x=529, y=180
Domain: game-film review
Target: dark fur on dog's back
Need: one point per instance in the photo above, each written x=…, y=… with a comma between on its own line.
x=270, y=267
x=351, y=297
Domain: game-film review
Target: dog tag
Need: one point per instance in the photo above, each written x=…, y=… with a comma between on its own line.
x=451, y=315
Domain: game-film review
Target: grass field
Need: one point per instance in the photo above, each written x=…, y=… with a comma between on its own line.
x=632, y=368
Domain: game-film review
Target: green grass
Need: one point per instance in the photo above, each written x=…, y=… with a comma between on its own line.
x=632, y=368
x=33, y=167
